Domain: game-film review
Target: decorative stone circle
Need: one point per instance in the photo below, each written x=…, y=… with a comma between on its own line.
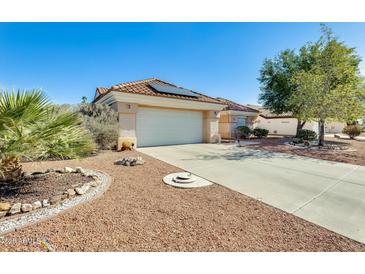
x=26, y=214
x=185, y=180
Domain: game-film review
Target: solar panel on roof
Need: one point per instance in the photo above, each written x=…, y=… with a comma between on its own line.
x=173, y=90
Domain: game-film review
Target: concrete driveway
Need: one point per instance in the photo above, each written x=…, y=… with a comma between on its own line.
x=329, y=194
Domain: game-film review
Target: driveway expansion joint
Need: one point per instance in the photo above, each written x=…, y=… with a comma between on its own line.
x=340, y=180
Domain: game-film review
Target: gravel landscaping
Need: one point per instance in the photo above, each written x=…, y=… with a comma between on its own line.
x=354, y=155
x=141, y=213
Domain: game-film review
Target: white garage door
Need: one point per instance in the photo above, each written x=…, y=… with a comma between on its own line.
x=168, y=127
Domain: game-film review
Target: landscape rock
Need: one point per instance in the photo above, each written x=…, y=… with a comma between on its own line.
x=82, y=190
x=79, y=170
x=27, y=174
x=130, y=161
x=3, y=213
x=5, y=206
x=37, y=172
x=37, y=204
x=55, y=199
x=26, y=207
x=50, y=170
x=68, y=170
x=70, y=192
x=86, y=173
x=120, y=161
x=45, y=203
x=95, y=183
x=16, y=208
x=139, y=161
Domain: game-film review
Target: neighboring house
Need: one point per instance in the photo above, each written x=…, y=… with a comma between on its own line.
x=285, y=124
x=153, y=113
x=233, y=116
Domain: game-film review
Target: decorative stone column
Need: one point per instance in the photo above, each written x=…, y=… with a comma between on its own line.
x=211, y=126
x=127, y=123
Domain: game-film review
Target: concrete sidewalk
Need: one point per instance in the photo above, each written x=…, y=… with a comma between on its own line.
x=329, y=194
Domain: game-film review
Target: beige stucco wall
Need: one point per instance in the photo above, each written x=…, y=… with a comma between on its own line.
x=329, y=127
x=229, y=121
x=211, y=126
x=280, y=126
x=127, y=123
x=288, y=126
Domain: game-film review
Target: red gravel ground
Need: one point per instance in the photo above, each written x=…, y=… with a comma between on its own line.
x=140, y=213
x=356, y=157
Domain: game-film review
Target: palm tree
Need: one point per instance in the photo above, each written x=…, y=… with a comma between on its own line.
x=30, y=127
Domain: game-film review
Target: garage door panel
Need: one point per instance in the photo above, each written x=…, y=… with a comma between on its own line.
x=168, y=127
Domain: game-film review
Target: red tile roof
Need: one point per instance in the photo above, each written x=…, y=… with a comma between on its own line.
x=143, y=87
x=235, y=106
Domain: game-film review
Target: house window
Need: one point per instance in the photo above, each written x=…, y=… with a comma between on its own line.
x=241, y=121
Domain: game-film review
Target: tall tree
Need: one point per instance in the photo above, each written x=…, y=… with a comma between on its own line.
x=276, y=85
x=332, y=88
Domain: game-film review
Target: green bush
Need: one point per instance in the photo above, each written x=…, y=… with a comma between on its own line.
x=102, y=123
x=243, y=132
x=352, y=131
x=307, y=135
x=260, y=132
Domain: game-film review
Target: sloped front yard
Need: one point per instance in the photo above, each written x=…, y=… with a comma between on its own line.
x=140, y=213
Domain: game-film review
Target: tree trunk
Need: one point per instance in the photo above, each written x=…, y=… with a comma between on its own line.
x=300, y=125
x=321, y=133
x=10, y=169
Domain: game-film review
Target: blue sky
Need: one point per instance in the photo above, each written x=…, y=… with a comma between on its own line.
x=69, y=60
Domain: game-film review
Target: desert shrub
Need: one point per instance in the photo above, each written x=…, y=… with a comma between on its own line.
x=306, y=134
x=352, y=131
x=243, y=132
x=260, y=132
x=102, y=123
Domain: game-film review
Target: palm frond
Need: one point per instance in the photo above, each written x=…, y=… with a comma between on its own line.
x=31, y=127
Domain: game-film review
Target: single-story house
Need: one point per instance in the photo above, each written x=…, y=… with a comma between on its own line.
x=233, y=116
x=285, y=124
x=153, y=112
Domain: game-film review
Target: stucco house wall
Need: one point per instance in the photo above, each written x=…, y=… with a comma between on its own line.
x=233, y=116
x=279, y=126
x=288, y=126
x=229, y=122
x=169, y=117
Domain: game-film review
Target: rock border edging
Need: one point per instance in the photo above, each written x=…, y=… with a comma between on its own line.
x=45, y=213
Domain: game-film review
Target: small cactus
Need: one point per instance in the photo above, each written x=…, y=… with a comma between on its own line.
x=127, y=145
x=10, y=168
